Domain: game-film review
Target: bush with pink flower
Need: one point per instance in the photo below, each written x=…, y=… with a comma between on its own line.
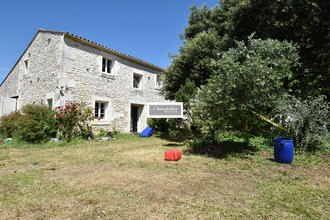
x=73, y=119
x=38, y=123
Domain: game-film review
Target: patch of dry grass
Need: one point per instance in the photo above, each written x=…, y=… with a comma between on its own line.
x=129, y=179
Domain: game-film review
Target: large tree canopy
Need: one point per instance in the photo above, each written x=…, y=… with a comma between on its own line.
x=306, y=23
x=193, y=62
x=246, y=77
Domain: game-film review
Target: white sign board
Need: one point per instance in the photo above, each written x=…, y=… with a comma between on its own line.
x=165, y=110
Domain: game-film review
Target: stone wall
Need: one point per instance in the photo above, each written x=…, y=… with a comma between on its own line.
x=36, y=73
x=57, y=67
x=86, y=82
x=43, y=76
x=9, y=87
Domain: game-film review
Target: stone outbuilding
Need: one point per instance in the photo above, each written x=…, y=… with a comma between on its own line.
x=59, y=67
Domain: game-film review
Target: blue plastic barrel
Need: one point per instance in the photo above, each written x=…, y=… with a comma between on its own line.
x=283, y=150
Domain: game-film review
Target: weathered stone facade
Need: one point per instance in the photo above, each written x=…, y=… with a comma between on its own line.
x=59, y=67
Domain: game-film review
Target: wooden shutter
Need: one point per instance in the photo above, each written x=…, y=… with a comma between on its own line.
x=8, y=105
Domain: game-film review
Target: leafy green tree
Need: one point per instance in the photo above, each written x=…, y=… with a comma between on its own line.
x=193, y=62
x=204, y=20
x=303, y=22
x=186, y=93
x=246, y=77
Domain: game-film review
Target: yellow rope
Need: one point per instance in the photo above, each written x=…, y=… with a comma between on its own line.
x=266, y=119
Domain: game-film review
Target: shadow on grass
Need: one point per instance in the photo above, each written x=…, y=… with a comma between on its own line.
x=221, y=150
x=172, y=145
x=166, y=136
x=226, y=149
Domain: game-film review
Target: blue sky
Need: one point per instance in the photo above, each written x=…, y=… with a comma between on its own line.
x=146, y=29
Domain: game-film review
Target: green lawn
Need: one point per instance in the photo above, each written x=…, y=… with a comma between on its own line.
x=128, y=178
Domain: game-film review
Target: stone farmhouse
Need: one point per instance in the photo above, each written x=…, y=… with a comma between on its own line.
x=59, y=67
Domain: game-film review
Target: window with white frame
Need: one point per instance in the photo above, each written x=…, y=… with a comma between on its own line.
x=137, y=81
x=106, y=65
x=100, y=110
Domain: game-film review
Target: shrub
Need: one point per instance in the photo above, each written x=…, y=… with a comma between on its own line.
x=159, y=124
x=201, y=145
x=8, y=124
x=103, y=133
x=33, y=124
x=36, y=124
x=73, y=119
x=308, y=122
x=171, y=125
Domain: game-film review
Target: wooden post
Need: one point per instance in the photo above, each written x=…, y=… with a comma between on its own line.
x=246, y=128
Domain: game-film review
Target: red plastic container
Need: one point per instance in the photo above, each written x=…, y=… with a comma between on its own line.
x=173, y=155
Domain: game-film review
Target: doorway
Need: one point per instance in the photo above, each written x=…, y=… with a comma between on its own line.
x=134, y=118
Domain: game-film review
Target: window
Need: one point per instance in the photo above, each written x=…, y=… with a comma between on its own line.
x=100, y=110
x=26, y=66
x=106, y=65
x=137, y=81
x=158, y=81
x=50, y=103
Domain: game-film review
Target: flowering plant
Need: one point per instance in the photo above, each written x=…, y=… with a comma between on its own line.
x=33, y=124
x=73, y=118
x=8, y=124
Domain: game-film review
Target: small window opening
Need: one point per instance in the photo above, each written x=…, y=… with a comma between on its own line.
x=50, y=103
x=26, y=66
x=106, y=65
x=158, y=81
x=137, y=81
